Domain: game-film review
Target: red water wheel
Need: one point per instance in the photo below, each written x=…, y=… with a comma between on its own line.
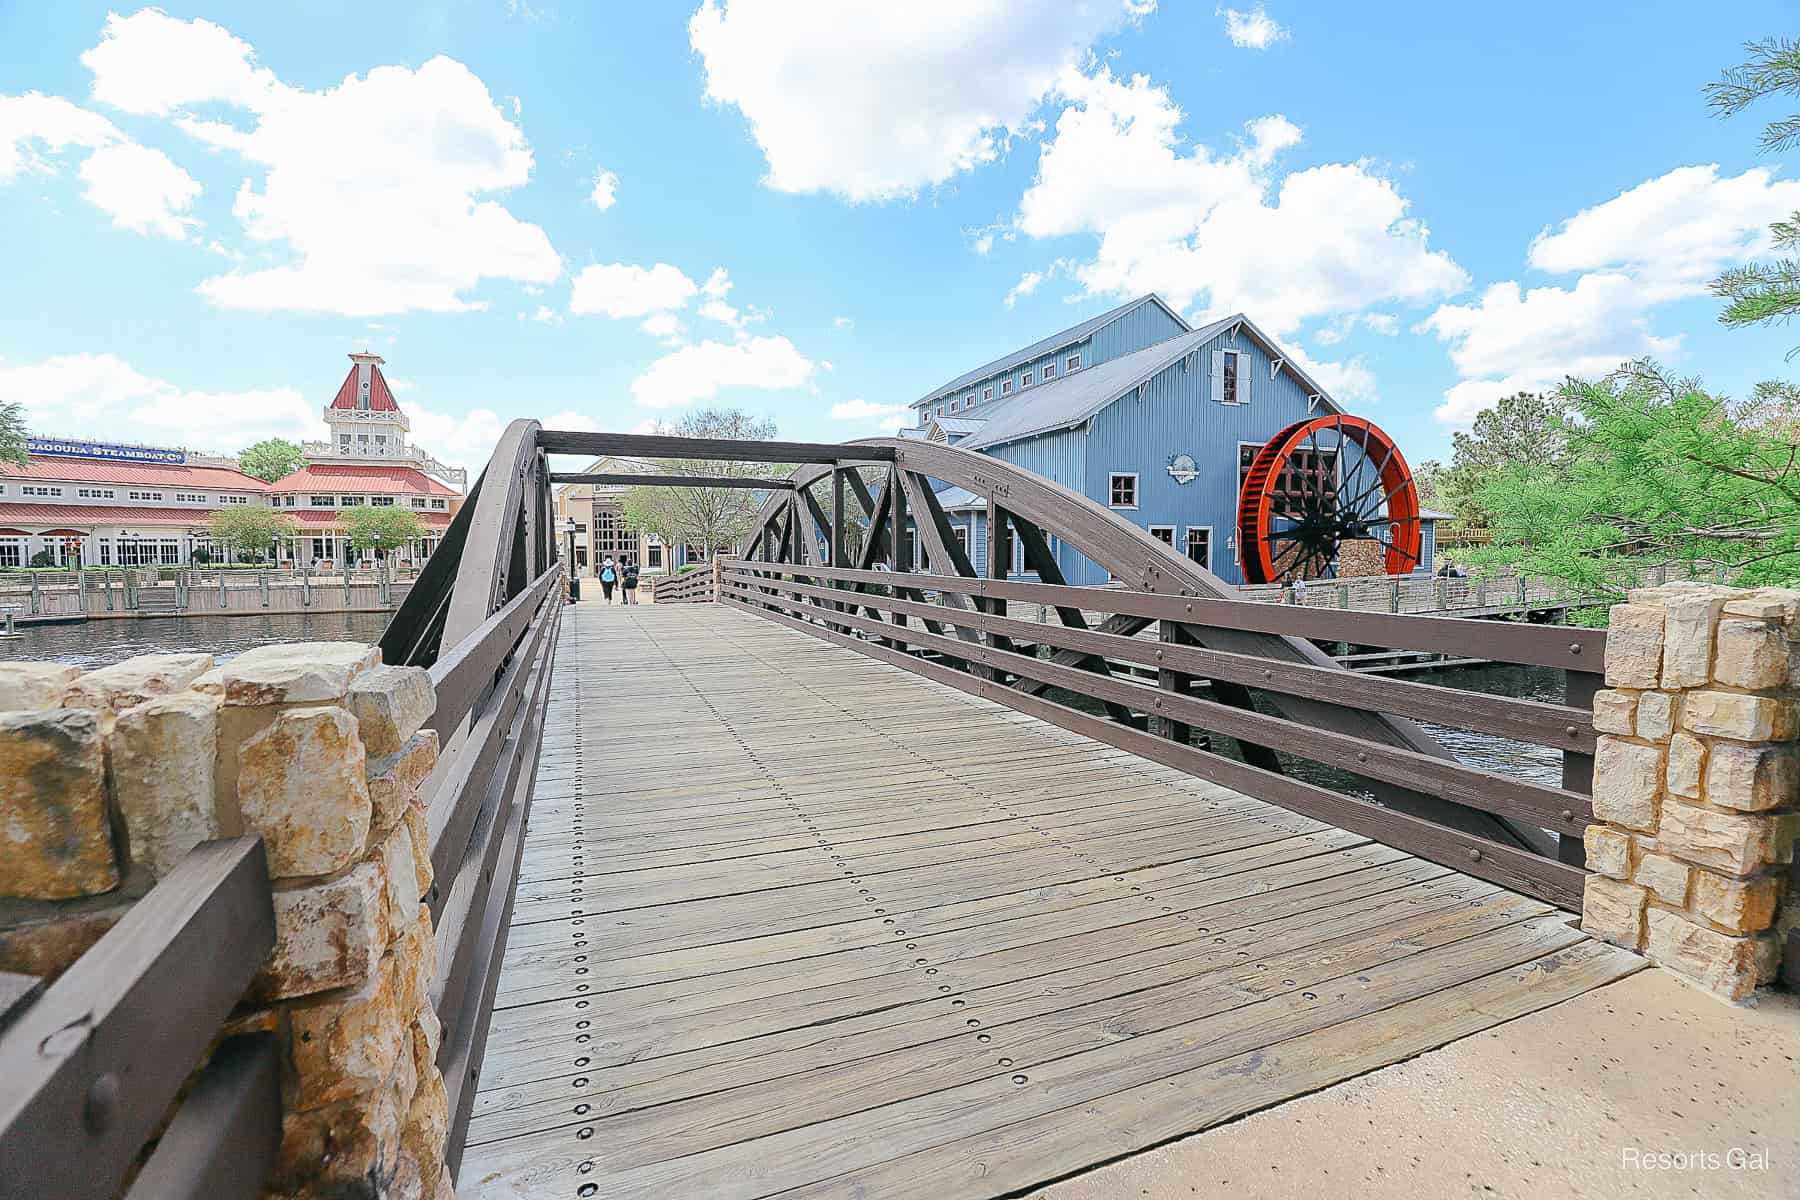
x=1318, y=484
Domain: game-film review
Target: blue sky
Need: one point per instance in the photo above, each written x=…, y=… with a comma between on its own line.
x=606, y=214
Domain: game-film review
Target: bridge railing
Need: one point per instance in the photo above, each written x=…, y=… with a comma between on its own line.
x=89, y=1067
x=1065, y=672
x=689, y=587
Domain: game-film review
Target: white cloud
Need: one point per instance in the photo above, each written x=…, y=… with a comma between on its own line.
x=698, y=372
x=624, y=290
x=714, y=307
x=1335, y=331
x=842, y=323
x=606, y=189
x=376, y=188
x=1253, y=30
x=81, y=393
x=1386, y=324
x=1219, y=232
x=874, y=101
x=866, y=410
x=544, y=315
x=1028, y=283
x=1512, y=339
x=140, y=188
x=664, y=325
x=1672, y=233
x=1649, y=246
x=1349, y=382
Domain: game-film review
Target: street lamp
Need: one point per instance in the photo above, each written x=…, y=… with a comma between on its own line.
x=568, y=528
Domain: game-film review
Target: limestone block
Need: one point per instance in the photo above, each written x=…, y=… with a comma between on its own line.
x=347, y=1149
x=1751, y=654
x=1691, y=612
x=1615, y=712
x=391, y=704
x=1687, y=756
x=1735, y=843
x=427, y=1034
x=421, y=846
x=296, y=672
x=301, y=785
x=327, y=935
x=1608, y=851
x=415, y=964
x=1614, y=911
x=427, y=1120
x=395, y=778
x=163, y=753
x=1752, y=778
x=209, y=683
x=118, y=687
x=402, y=877
x=1655, y=716
x=1724, y=965
x=1627, y=780
x=409, y=1179
x=346, y=1043
x=1776, y=606
x=1730, y=715
x=1667, y=878
x=55, y=829
x=1634, y=646
x=34, y=684
x=1739, y=905
x=47, y=946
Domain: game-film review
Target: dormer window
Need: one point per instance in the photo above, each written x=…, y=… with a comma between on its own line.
x=987, y=393
x=1025, y=379
x=940, y=410
x=1006, y=387
x=1072, y=363
x=1049, y=372
x=969, y=400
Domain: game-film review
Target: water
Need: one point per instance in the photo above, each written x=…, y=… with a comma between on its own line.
x=99, y=643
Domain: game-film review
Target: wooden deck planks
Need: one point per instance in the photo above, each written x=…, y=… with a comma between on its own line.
x=793, y=921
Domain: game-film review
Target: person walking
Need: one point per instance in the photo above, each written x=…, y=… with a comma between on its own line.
x=609, y=578
x=628, y=581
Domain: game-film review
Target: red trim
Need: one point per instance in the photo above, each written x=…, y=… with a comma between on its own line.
x=346, y=394
x=335, y=478
x=129, y=475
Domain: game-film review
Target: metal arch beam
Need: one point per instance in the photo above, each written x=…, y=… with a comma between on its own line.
x=605, y=479
x=1131, y=554
x=655, y=445
x=485, y=576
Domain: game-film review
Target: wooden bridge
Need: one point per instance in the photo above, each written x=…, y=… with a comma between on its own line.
x=850, y=883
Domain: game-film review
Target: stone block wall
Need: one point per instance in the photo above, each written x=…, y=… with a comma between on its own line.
x=1697, y=782
x=109, y=777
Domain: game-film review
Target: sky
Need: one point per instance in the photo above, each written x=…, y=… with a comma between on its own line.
x=604, y=215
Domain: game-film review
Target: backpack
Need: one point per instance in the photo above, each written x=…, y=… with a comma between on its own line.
x=606, y=574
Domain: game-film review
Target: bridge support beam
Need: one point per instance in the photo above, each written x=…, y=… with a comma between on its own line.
x=1697, y=785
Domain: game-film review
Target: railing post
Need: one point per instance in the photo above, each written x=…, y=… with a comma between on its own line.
x=1394, y=595
x=1343, y=595
x=262, y=578
x=37, y=594
x=1697, y=784
x=1175, y=683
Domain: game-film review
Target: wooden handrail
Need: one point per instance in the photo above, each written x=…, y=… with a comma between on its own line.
x=90, y=1066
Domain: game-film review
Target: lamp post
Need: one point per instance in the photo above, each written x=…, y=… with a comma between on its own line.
x=568, y=528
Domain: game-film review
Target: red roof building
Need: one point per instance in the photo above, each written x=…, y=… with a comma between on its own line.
x=104, y=504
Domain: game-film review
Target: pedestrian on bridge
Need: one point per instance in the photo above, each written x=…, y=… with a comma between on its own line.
x=628, y=581
x=609, y=578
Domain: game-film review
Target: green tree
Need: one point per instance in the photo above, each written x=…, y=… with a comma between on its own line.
x=250, y=529
x=703, y=516
x=12, y=434
x=1647, y=471
x=1522, y=428
x=1763, y=293
x=395, y=526
x=270, y=459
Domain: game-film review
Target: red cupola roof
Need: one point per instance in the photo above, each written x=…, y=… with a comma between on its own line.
x=381, y=397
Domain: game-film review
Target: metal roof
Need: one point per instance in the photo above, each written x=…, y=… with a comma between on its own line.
x=959, y=425
x=1073, y=333
x=956, y=498
x=1074, y=398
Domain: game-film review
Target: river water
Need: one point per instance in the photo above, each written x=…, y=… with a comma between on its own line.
x=98, y=643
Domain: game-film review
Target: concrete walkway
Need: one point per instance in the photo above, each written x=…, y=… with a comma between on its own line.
x=1560, y=1103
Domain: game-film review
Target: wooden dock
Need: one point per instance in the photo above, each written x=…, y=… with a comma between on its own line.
x=794, y=921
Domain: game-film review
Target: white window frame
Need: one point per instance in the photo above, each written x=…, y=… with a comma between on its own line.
x=319, y=500
x=1169, y=529
x=1025, y=378
x=1236, y=358
x=1111, y=478
x=969, y=400
x=1006, y=387
x=1210, y=545
x=987, y=393
x=1072, y=363
x=940, y=410
x=1049, y=371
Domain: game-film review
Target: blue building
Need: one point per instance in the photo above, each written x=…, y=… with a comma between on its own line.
x=1139, y=411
